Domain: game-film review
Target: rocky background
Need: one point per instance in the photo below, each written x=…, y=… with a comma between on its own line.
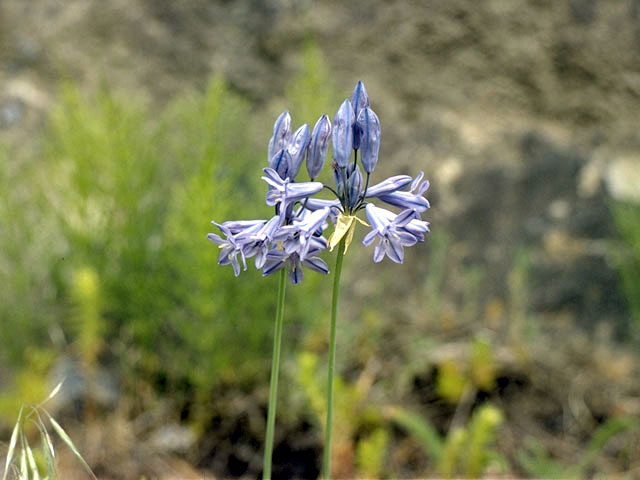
x=522, y=113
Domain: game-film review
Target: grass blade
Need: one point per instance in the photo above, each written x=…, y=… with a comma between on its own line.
x=66, y=439
x=420, y=428
x=32, y=463
x=54, y=392
x=24, y=472
x=12, y=445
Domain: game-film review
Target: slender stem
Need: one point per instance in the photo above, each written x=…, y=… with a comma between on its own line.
x=273, y=386
x=326, y=464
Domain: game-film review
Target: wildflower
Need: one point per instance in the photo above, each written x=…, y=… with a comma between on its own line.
x=391, y=232
x=230, y=248
x=410, y=199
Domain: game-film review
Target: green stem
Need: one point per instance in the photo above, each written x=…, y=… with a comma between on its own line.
x=273, y=386
x=326, y=464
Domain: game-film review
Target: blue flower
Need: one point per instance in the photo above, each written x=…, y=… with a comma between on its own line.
x=230, y=248
x=257, y=243
x=410, y=199
x=390, y=229
x=285, y=193
x=278, y=258
x=389, y=185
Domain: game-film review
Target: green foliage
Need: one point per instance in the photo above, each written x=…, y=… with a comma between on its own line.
x=313, y=92
x=466, y=451
x=23, y=462
x=627, y=219
x=538, y=462
x=420, y=429
x=371, y=452
x=103, y=240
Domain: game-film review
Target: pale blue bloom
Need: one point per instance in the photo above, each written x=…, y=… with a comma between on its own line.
x=389, y=185
x=390, y=230
x=409, y=199
x=285, y=193
x=277, y=259
x=230, y=248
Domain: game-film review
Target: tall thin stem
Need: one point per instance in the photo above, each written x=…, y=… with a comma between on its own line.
x=326, y=464
x=273, y=386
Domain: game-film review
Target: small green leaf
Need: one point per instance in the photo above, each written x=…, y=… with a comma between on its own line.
x=24, y=473
x=66, y=439
x=32, y=463
x=12, y=445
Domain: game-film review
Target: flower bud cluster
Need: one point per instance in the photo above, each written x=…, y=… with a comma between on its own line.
x=294, y=236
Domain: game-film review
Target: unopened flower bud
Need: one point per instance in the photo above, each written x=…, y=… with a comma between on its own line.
x=297, y=149
x=359, y=101
x=319, y=146
x=342, y=133
x=354, y=184
x=281, y=134
x=369, y=127
x=280, y=162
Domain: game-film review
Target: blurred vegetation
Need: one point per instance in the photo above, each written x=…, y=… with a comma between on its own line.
x=627, y=218
x=104, y=258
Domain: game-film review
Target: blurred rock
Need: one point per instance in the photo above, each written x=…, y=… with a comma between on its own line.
x=99, y=388
x=11, y=112
x=172, y=438
x=623, y=178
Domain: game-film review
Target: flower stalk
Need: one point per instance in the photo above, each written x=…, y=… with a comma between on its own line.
x=326, y=463
x=273, y=385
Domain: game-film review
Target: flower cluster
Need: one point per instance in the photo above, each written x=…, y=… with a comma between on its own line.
x=294, y=236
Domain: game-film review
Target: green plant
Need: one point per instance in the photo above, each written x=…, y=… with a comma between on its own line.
x=24, y=462
x=466, y=450
x=627, y=220
x=537, y=461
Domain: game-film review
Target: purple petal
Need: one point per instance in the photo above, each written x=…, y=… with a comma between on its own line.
x=405, y=200
x=217, y=239
x=376, y=217
x=404, y=217
x=296, y=191
x=389, y=185
x=317, y=264
x=394, y=250
x=272, y=266
x=295, y=271
x=369, y=238
x=378, y=252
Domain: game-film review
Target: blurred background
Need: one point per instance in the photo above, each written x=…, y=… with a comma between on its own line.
x=507, y=345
